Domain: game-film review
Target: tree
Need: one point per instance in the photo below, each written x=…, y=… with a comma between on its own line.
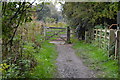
x=86, y=15
x=45, y=12
x=13, y=14
x=48, y=10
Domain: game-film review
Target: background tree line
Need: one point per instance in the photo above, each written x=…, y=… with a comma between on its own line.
x=48, y=14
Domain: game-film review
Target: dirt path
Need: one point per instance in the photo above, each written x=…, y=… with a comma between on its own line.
x=70, y=65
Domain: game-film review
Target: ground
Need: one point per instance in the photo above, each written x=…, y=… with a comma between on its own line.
x=69, y=65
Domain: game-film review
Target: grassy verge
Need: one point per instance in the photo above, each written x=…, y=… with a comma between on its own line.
x=97, y=60
x=45, y=58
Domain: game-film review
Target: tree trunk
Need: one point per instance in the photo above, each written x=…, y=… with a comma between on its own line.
x=82, y=33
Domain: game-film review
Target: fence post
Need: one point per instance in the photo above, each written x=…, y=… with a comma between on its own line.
x=118, y=50
x=111, y=42
x=92, y=34
x=89, y=35
x=68, y=35
x=100, y=38
x=117, y=53
x=86, y=36
x=105, y=34
x=96, y=36
x=105, y=37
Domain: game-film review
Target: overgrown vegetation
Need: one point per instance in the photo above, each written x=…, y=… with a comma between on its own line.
x=97, y=59
x=45, y=58
x=37, y=57
x=82, y=16
x=49, y=13
x=23, y=47
x=25, y=52
x=16, y=60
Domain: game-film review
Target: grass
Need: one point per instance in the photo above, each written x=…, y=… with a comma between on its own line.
x=97, y=60
x=45, y=57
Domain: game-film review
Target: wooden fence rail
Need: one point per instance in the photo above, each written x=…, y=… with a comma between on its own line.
x=107, y=39
x=53, y=32
x=102, y=37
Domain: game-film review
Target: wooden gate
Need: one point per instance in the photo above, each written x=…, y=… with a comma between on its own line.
x=57, y=33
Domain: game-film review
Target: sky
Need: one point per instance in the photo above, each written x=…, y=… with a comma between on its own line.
x=58, y=6
x=55, y=2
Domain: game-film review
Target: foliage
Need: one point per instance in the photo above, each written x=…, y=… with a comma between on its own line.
x=16, y=54
x=48, y=13
x=27, y=63
x=21, y=39
x=92, y=12
x=99, y=27
x=45, y=58
x=19, y=68
x=50, y=20
x=55, y=16
x=97, y=59
x=44, y=13
x=15, y=70
x=14, y=14
x=85, y=15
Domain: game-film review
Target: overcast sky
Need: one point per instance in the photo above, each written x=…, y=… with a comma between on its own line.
x=55, y=2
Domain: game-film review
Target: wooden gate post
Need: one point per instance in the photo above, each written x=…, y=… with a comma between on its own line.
x=118, y=50
x=68, y=35
x=86, y=36
x=118, y=45
x=111, y=42
x=100, y=39
x=105, y=37
x=89, y=35
x=92, y=34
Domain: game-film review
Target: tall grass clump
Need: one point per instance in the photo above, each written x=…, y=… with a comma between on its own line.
x=97, y=59
x=45, y=58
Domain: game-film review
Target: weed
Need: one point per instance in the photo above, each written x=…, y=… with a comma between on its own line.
x=97, y=59
x=45, y=62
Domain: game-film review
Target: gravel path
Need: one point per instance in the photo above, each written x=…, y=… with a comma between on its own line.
x=70, y=65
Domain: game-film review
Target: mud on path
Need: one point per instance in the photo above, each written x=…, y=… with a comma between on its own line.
x=69, y=64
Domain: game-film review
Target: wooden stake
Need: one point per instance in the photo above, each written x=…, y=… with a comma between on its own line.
x=111, y=43
x=117, y=50
x=68, y=35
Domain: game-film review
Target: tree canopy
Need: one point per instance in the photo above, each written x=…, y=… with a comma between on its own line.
x=48, y=12
x=14, y=14
x=93, y=13
x=83, y=16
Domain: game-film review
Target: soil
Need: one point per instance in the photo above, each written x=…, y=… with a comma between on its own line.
x=69, y=65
